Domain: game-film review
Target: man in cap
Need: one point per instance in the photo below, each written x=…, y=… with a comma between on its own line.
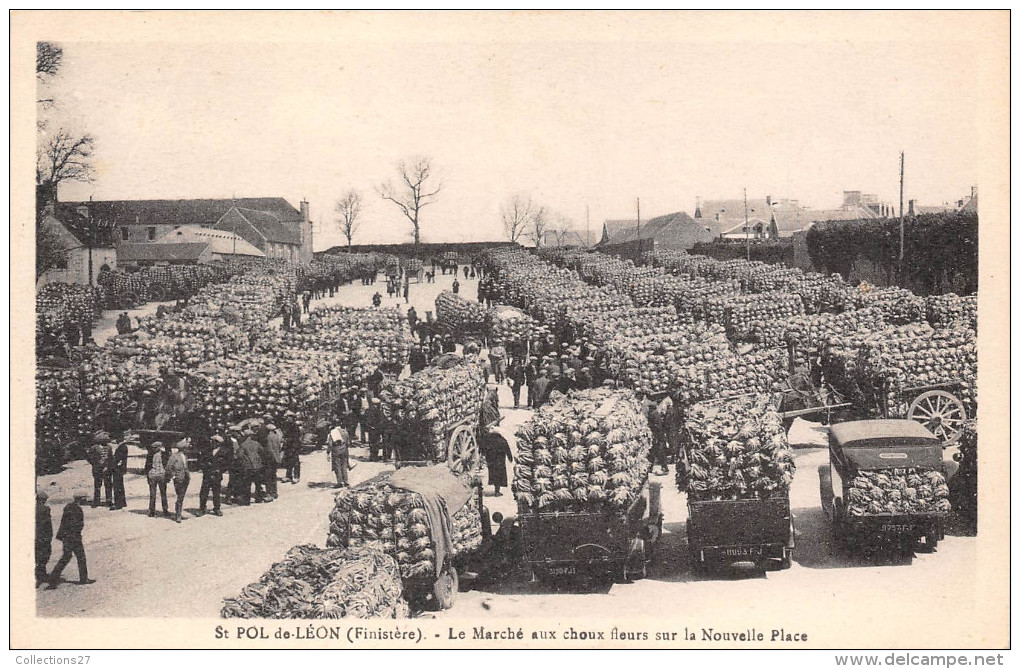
x=249, y=467
x=99, y=457
x=568, y=381
x=155, y=473
x=43, y=537
x=373, y=419
x=291, y=450
x=363, y=404
x=234, y=439
x=530, y=374
x=72, y=524
x=177, y=471
x=274, y=447
x=539, y=389
x=337, y=451
x=584, y=378
x=211, y=460
x=515, y=376
x=118, y=469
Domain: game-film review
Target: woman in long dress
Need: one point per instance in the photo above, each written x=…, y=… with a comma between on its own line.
x=497, y=452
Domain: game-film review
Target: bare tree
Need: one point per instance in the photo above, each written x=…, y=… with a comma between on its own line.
x=48, y=58
x=516, y=215
x=564, y=231
x=64, y=157
x=415, y=191
x=539, y=225
x=49, y=252
x=349, y=209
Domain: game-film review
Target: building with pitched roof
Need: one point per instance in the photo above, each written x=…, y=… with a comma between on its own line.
x=676, y=231
x=79, y=238
x=146, y=254
x=271, y=224
x=224, y=244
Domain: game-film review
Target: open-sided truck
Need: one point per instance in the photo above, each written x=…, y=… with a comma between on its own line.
x=723, y=534
x=883, y=444
x=593, y=542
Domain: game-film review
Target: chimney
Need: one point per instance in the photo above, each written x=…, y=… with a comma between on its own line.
x=768, y=200
x=910, y=207
x=697, y=207
x=973, y=192
x=304, y=210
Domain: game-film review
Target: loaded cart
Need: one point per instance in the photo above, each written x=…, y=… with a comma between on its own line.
x=728, y=533
x=885, y=485
x=585, y=506
x=594, y=541
x=427, y=518
x=736, y=467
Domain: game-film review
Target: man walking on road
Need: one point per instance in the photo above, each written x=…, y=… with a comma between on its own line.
x=177, y=471
x=250, y=467
x=72, y=524
x=516, y=378
x=211, y=462
x=337, y=450
x=118, y=469
x=43, y=537
x=155, y=473
x=539, y=389
x=99, y=458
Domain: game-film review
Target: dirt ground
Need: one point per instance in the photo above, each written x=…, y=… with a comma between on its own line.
x=154, y=567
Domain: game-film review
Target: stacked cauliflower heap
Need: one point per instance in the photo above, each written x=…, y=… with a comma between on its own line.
x=461, y=315
x=312, y=583
x=898, y=491
x=587, y=449
x=736, y=449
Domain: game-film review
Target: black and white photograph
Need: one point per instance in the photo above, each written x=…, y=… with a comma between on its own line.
x=563, y=330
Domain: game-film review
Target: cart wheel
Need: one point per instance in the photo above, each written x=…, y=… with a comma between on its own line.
x=462, y=455
x=941, y=412
x=128, y=301
x=445, y=589
x=156, y=293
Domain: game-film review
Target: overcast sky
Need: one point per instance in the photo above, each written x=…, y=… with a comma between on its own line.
x=570, y=123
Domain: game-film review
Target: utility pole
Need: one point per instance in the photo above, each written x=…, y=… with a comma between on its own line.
x=747, y=229
x=901, y=215
x=587, y=226
x=639, y=219
x=91, y=237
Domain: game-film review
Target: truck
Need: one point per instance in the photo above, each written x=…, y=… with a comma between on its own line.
x=730, y=534
x=593, y=542
x=880, y=445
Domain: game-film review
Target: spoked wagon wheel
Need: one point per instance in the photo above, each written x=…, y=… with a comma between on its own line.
x=941, y=412
x=156, y=294
x=128, y=301
x=462, y=456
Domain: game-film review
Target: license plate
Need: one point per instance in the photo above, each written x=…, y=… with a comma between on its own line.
x=896, y=528
x=562, y=571
x=739, y=551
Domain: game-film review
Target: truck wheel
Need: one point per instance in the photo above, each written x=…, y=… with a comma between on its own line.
x=445, y=589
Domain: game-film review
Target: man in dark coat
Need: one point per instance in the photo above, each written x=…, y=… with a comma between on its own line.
x=43, y=537
x=497, y=452
x=456, y=286
x=449, y=346
x=584, y=378
x=568, y=381
x=99, y=458
x=212, y=474
x=530, y=374
x=377, y=299
x=373, y=419
x=412, y=318
x=272, y=456
x=515, y=375
x=292, y=453
x=539, y=390
x=118, y=470
x=417, y=359
x=250, y=463
x=72, y=524
x=375, y=381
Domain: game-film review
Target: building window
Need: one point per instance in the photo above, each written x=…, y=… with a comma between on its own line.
x=124, y=234
x=152, y=234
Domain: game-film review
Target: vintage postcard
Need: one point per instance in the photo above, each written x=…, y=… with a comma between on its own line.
x=522, y=329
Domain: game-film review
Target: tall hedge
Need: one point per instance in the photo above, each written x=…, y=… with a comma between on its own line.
x=940, y=250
